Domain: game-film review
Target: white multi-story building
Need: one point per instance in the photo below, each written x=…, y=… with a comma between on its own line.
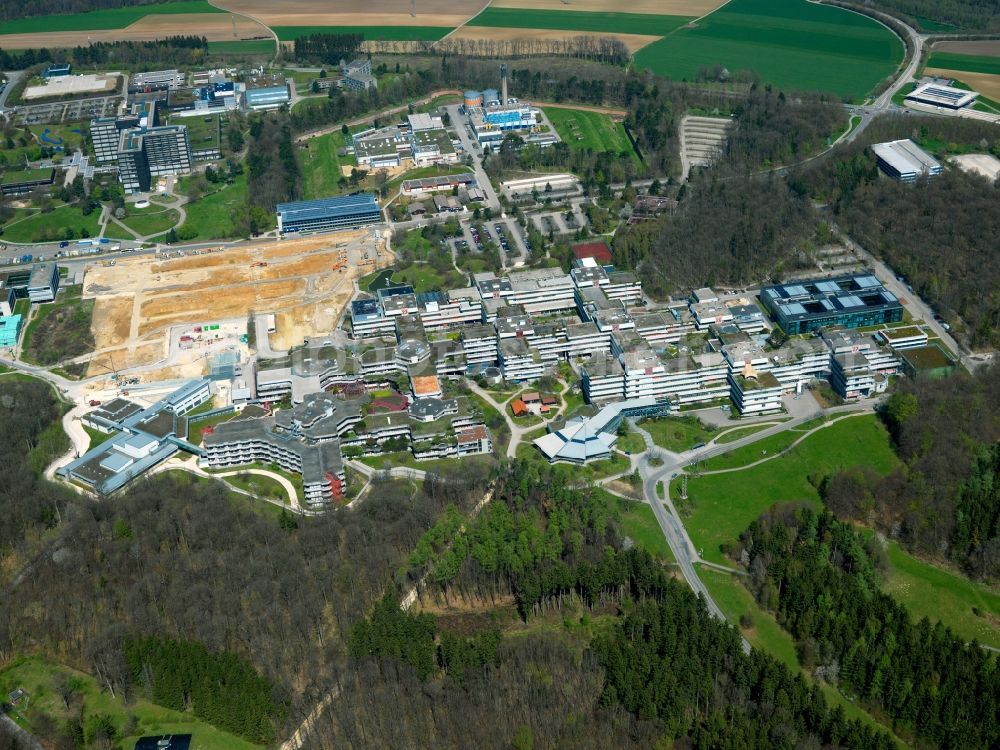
x=542, y=290
x=602, y=378
x=306, y=369
x=665, y=326
x=710, y=314
x=455, y=308
x=518, y=362
x=755, y=392
x=479, y=343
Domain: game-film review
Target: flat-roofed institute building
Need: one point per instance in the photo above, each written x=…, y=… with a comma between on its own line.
x=25, y=180
x=43, y=283
x=328, y=214
x=939, y=95
x=848, y=301
x=905, y=161
x=267, y=97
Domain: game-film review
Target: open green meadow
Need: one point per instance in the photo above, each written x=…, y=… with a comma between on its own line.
x=213, y=215
x=149, y=221
x=570, y=20
x=242, y=47
x=792, y=44
x=724, y=505
x=927, y=590
x=391, y=33
x=969, y=63
x=40, y=679
x=113, y=18
x=203, y=131
x=589, y=130
x=40, y=227
x=320, y=165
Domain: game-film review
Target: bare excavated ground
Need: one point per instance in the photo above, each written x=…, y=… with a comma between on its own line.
x=306, y=282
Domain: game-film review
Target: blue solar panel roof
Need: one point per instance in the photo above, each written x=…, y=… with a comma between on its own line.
x=827, y=286
x=348, y=205
x=851, y=300
x=866, y=282
x=795, y=290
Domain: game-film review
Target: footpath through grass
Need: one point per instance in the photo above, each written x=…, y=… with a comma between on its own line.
x=793, y=44
x=571, y=20
x=112, y=18
x=724, y=505
x=678, y=433
x=40, y=678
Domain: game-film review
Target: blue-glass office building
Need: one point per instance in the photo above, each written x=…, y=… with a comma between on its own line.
x=848, y=301
x=328, y=214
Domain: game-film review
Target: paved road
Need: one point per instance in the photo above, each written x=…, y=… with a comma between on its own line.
x=13, y=77
x=471, y=148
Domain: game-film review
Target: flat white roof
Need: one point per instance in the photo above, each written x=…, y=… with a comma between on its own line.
x=941, y=95
x=905, y=156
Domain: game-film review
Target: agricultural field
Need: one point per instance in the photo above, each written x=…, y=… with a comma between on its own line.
x=589, y=130
x=135, y=23
x=90, y=705
x=112, y=18
x=315, y=16
x=390, y=33
x=570, y=20
x=970, y=63
x=792, y=44
x=691, y=8
x=724, y=504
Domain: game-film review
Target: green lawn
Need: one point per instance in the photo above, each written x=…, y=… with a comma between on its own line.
x=927, y=590
x=195, y=428
x=678, y=433
x=39, y=679
x=641, y=526
x=724, y=505
x=259, y=485
x=792, y=44
x=570, y=20
x=97, y=437
x=969, y=63
x=112, y=18
x=740, y=432
x=203, y=131
x=152, y=220
x=393, y=33
x=735, y=600
x=631, y=442
x=589, y=130
x=54, y=225
x=320, y=165
x=442, y=465
x=212, y=215
x=753, y=452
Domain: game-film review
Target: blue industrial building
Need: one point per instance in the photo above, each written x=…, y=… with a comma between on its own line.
x=328, y=214
x=269, y=97
x=848, y=301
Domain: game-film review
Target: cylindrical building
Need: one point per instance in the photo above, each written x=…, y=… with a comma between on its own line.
x=490, y=96
x=473, y=99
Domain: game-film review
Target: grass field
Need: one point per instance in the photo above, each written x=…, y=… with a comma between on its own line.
x=792, y=44
x=113, y=18
x=320, y=165
x=970, y=63
x=59, y=330
x=150, y=221
x=53, y=225
x=393, y=33
x=640, y=525
x=723, y=505
x=938, y=594
x=39, y=679
x=740, y=432
x=589, y=130
x=617, y=23
x=242, y=47
x=677, y=433
x=212, y=215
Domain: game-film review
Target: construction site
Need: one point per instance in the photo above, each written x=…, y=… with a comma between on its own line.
x=178, y=308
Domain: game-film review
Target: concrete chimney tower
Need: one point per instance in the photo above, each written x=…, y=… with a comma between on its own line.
x=503, y=84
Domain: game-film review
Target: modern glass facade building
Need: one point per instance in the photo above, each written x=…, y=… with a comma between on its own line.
x=328, y=214
x=848, y=301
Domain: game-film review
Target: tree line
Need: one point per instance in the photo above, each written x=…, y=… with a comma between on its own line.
x=931, y=15
x=944, y=500
x=817, y=575
x=327, y=49
x=273, y=174
x=147, y=55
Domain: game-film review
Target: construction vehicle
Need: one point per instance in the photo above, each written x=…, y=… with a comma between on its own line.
x=259, y=264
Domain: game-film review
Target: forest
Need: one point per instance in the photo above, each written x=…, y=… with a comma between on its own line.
x=659, y=669
x=820, y=578
x=944, y=501
x=327, y=49
x=171, y=50
x=938, y=15
x=10, y=11
x=273, y=174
